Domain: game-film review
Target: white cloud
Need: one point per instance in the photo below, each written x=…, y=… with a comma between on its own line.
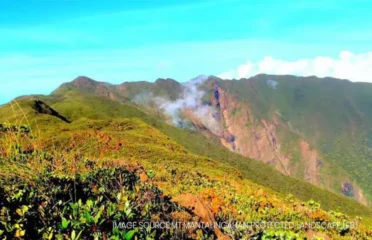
x=227, y=75
x=355, y=67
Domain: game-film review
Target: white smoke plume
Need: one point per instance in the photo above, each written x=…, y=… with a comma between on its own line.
x=190, y=100
x=143, y=98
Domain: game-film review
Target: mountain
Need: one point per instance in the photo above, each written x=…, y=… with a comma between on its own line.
x=240, y=148
x=309, y=128
x=317, y=129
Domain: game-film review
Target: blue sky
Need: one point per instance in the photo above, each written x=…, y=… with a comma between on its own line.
x=44, y=43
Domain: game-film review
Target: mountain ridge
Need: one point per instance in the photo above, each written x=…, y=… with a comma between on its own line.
x=186, y=160
x=236, y=121
x=259, y=105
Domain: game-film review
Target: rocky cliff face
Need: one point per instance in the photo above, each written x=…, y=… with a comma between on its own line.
x=245, y=134
x=258, y=138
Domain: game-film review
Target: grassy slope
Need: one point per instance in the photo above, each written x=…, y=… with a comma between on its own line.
x=74, y=147
x=76, y=107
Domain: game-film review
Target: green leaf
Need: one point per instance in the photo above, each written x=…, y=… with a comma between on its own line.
x=89, y=203
x=97, y=217
x=129, y=235
x=73, y=235
x=83, y=220
x=88, y=217
x=78, y=236
x=65, y=223
x=116, y=231
x=24, y=209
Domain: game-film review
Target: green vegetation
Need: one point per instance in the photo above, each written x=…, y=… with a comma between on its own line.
x=75, y=185
x=65, y=180
x=332, y=115
x=83, y=207
x=258, y=172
